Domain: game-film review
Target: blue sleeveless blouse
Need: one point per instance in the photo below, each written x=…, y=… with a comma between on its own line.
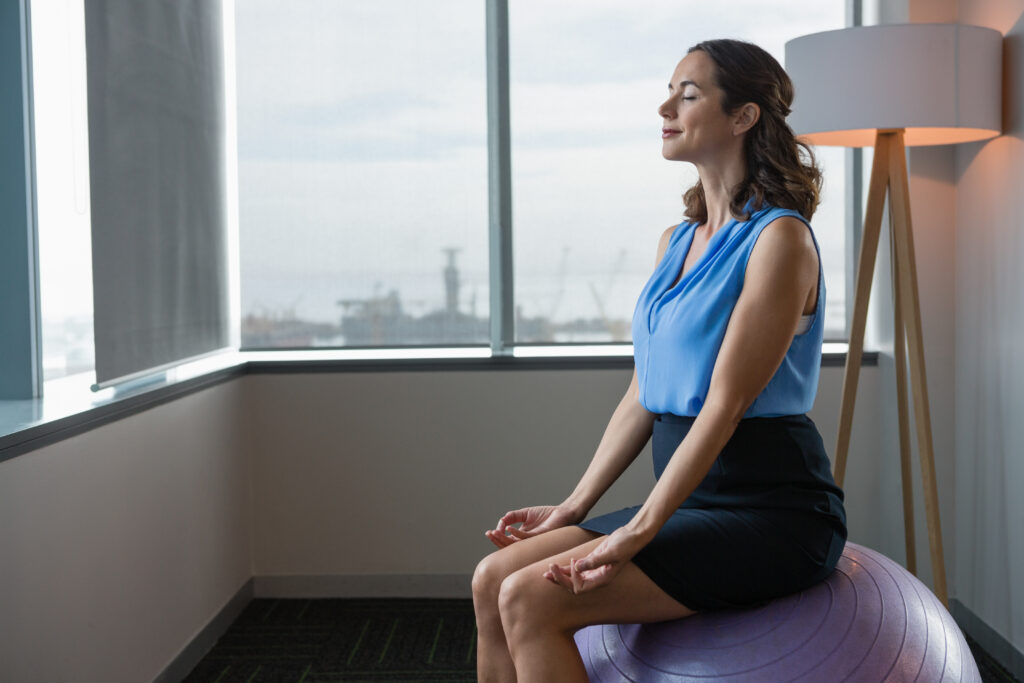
x=678, y=330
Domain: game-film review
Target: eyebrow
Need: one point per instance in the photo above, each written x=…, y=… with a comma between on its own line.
x=683, y=84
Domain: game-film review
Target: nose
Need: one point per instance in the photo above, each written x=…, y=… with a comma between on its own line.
x=665, y=110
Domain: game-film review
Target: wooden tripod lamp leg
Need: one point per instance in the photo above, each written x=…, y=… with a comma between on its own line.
x=865, y=273
x=899, y=341
x=907, y=272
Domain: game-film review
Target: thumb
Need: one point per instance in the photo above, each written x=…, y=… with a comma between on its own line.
x=519, y=533
x=509, y=518
x=595, y=559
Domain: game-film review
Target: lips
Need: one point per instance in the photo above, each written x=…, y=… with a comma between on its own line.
x=669, y=132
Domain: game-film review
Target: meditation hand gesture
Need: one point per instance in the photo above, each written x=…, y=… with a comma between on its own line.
x=532, y=520
x=600, y=566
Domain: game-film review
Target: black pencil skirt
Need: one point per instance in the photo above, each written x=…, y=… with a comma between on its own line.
x=766, y=521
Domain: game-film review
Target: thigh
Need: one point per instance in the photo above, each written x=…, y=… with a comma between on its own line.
x=732, y=558
x=504, y=561
x=630, y=598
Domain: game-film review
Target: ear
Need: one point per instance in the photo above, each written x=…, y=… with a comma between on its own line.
x=745, y=118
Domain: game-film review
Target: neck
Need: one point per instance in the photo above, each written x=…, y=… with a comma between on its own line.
x=719, y=181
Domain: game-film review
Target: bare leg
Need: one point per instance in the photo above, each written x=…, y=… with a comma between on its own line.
x=539, y=617
x=494, y=663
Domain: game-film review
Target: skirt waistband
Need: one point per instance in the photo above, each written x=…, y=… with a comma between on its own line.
x=689, y=419
x=768, y=462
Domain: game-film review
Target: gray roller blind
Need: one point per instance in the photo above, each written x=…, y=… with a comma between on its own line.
x=156, y=163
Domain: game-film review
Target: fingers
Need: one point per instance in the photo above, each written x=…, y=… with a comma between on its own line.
x=520, y=534
x=578, y=581
x=583, y=581
x=597, y=569
x=598, y=557
x=575, y=580
x=499, y=535
x=560, y=576
x=500, y=540
x=595, y=578
x=505, y=534
x=506, y=537
x=589, y=563
x=509, y=518
x=532, y=522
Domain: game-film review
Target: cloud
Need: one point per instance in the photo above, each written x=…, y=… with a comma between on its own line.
x=363, y=132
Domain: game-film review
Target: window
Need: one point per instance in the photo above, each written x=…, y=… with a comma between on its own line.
x=62, y=187
x=591, y=192
x=363, y=168
x=362, y=173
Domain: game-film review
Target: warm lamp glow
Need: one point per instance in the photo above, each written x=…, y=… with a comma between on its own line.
x=891, y=87
x=940, y=83
x=914, y=137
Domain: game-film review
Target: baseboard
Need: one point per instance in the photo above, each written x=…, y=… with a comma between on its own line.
x=207, y=637
x=364, y=586
x=1000, y=648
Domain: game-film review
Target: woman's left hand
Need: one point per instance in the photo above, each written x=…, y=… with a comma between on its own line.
x=600, y=566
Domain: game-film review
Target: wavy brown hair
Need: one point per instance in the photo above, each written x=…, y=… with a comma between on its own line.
x=780, y=169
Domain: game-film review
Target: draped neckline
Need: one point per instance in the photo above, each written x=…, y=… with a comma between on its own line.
x=677, y=263
x=680, y=275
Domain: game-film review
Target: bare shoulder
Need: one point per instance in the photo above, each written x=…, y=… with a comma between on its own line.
x=663, y=242
x=789, y=233
x=786, y=241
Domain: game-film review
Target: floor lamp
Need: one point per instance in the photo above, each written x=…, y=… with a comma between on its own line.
x=890, y=87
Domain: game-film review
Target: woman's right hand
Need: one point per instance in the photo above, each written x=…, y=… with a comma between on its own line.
x=532, y=521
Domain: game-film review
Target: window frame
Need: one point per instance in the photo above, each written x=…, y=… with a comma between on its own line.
x=501, y=278
x=503, y=349
x=21, y=372
x=26, y=425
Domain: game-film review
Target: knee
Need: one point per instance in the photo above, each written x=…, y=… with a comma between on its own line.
x=487, y=580
x=523, y=604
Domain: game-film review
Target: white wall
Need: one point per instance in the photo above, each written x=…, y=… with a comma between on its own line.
x=121, y=543
x=989, y=361
x=118, y=545
x=968, y=226
x=969, y=229
x=933, y=202
x=400, y=473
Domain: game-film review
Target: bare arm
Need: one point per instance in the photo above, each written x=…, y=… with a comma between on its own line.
x=628, y=430
x=780, y=277
x=782, y=271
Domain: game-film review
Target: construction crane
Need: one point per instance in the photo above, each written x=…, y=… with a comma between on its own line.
x=615, y=328
x=556, y=299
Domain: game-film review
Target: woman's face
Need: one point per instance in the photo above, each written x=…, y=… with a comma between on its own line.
x=694, y=127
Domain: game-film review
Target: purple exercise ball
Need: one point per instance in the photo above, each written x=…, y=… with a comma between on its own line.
x=871, y=620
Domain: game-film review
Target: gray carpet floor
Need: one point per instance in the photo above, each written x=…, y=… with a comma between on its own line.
x=316, y=641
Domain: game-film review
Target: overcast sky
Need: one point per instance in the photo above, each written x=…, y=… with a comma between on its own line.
x=362, y=143
x=362, y=135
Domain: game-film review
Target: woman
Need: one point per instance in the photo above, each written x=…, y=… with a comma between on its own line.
x=727, y=335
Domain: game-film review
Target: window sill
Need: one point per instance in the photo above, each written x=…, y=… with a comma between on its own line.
x=71, y=408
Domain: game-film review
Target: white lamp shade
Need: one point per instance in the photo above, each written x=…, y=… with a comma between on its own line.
x=942, y=83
